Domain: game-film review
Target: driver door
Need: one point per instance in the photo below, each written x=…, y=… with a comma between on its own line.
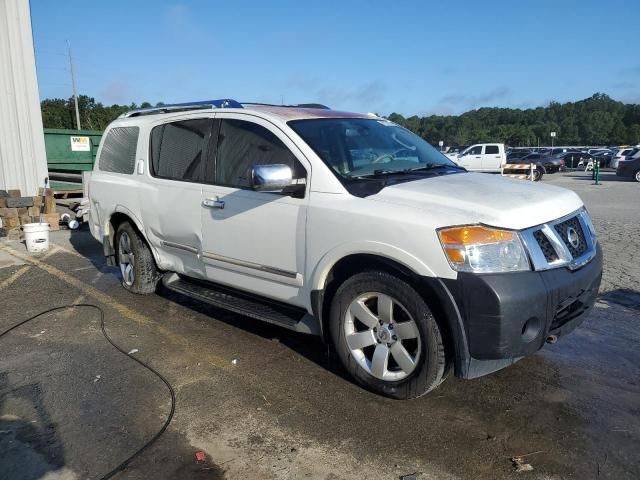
x=253, y=240
x=472, y=159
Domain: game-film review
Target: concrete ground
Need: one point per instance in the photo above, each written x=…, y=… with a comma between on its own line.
x=265, y=403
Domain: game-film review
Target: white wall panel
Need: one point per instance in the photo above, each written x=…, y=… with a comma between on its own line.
x=23, y=162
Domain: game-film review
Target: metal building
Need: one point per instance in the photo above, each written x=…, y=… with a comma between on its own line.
x=23, y=162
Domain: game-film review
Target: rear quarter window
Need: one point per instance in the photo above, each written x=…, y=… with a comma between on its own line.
x=118, y=152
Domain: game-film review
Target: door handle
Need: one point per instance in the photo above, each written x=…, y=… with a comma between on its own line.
x=213, y=203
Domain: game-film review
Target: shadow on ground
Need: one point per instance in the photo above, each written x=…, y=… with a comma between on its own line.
x=29, y=443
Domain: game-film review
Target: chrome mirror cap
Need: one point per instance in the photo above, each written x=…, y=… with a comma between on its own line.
x=271, y=178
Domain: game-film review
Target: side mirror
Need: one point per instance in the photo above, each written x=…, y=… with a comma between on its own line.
x=270, y=178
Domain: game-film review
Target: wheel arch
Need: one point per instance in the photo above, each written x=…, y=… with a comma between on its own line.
x=429, y=287
x=121, y=214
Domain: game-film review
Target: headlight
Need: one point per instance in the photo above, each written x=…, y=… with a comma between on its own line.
x=480, y=249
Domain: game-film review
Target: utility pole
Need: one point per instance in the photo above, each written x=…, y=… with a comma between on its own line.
x=73, y=85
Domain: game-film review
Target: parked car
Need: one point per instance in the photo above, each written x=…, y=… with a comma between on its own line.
x=560, y=150
x=604, y=157
x=345, y=226
x=621, y=155
x=517, y=153
x=483, y=157
x=630, y=167
x=554, y=163
x=544, y=163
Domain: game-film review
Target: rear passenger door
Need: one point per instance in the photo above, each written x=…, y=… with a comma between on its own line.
x=254, y=240
x=491, y=158
x=171, y=199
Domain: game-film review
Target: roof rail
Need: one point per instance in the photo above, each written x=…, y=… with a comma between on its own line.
x=299, y=105
x=183, y=107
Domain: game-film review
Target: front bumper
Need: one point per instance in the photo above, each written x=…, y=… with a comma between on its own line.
x=508, y=316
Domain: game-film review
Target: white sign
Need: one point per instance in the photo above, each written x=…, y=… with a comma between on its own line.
x=553, y=134
x=80, y=144
x=441, y=143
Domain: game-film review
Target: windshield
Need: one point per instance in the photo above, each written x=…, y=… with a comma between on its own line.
x=355, y=147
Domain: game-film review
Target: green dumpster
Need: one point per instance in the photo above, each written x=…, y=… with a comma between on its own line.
x=69, y=153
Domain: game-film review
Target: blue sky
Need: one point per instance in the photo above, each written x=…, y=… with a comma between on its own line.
x=404, y=56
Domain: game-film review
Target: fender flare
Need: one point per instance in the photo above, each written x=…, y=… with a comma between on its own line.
x=108, y=237
x=367, y=247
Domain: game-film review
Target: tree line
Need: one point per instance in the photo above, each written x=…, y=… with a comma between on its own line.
x=598, y=120
x=60, y=113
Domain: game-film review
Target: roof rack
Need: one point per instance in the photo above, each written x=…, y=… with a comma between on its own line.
x=183, y=107
x=299, y=105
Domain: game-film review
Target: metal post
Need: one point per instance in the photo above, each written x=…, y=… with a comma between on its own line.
x=73, y=85
x=596, y=172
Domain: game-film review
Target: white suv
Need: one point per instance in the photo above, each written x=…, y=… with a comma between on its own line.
x=345, y=226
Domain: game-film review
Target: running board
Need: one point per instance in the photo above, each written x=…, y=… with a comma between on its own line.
x=270, y=311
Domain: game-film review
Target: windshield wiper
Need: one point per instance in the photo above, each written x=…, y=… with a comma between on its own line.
x=379, y=173
x=433, y=166
x=382, y=172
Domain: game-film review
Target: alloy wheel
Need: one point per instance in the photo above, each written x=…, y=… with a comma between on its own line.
x=126, y=259
x=382, y=336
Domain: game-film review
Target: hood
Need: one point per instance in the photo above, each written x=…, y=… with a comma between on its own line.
x=467, y=198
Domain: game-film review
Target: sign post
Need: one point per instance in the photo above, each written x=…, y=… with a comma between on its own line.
x=441, y=144
x=553, y=135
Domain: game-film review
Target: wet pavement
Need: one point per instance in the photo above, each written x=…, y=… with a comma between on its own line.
x=264, y=403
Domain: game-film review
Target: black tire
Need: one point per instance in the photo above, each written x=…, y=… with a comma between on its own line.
x=636, y=176
x=431, y=362
x=146, y=274
x=538, y=174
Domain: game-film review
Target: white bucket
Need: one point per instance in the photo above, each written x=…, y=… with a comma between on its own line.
x=36, y=236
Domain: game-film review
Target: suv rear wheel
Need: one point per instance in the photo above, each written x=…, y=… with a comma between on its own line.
x=386, y=336
x=137, y=266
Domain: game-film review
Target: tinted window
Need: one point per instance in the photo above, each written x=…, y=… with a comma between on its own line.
x=475, y=150
x=178, y=149
x=491, y=150
x=119, y=150
x=241, y=145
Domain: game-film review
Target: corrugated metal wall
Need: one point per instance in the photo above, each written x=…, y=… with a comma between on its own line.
x=23, y=162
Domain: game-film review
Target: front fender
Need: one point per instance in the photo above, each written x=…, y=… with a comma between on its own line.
x=385, y=250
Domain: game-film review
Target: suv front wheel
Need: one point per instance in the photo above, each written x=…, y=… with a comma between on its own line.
x=386, y=336
x=135, y=261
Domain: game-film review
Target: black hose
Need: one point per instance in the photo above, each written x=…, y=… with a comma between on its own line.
x=124, y=464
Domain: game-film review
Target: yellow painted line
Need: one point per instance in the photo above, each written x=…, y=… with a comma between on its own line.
x=123, y=310
x=54, y=249
x=69, y=251
x=16, y=275
x=59, y=274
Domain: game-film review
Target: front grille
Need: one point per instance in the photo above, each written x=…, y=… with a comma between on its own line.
x=566, y=242
x=563, y=230
x=545, y=245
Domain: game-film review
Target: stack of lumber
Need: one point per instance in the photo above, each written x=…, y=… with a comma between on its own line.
x=16, y=210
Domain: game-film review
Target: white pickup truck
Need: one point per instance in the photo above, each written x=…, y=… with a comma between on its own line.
x=483, y=157
x=345, y=226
